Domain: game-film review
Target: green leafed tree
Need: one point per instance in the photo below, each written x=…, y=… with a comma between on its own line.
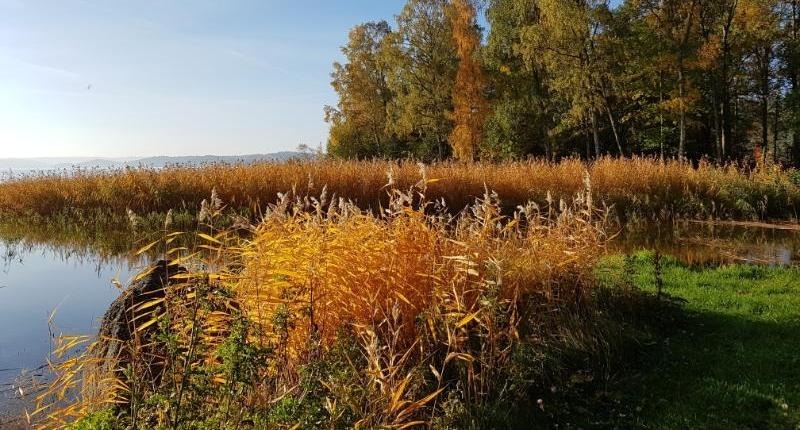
x=716, y=79
x=359, y=121
x=520, y=120
x=422, y=59
x=564, y=41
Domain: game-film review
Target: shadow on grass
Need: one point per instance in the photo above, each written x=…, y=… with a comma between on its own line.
x=730, y=360
x=721, y=372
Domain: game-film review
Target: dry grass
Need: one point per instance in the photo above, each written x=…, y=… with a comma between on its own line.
x=331, y=314
x=639, y=186
x=327, y=316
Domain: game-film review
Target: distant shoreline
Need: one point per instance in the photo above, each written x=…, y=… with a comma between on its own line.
x=14, y=165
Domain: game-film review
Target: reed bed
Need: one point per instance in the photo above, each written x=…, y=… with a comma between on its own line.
x=328, y=316
x=637, y=187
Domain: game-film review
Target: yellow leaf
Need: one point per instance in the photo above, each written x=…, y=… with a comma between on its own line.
x=208, y=238
x=398, y=392
x=146, y=248
x=179, y=261
x=460, y=356
x=149, y=304
x=464, y=321
x=402, y=297
x=411, y=424
x=142, y=275
x=148, y=323
x=178, y=249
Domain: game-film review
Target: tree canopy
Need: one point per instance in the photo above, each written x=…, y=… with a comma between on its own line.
x=715, y=79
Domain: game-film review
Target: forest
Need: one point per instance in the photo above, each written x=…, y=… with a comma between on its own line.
x=509, y=79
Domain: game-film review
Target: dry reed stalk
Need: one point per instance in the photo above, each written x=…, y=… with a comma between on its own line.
x=435, y=304
x=637, y=186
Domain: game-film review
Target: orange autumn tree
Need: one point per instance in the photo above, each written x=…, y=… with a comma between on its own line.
x=470, y=106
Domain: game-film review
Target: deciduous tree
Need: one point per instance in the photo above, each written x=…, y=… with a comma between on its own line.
x=359, y=121
x=469, y=99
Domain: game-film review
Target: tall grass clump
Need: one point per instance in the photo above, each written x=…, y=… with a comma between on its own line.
x=328, y=316
x=634, y=187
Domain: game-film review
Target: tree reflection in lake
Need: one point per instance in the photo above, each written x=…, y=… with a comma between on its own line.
x=711, y=244
x=71, y=284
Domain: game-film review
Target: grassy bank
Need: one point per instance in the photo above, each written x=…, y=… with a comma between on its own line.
x=633, y=187
x=730, y=362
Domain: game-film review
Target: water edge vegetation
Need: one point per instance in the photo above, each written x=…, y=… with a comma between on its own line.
x=632, y=188
x=324, y=313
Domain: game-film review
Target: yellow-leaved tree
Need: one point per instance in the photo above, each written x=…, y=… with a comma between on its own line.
x=470, y=106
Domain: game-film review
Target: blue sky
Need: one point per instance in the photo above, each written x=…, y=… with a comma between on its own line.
x=146, y=77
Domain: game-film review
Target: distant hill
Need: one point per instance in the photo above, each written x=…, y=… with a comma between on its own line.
x=206, y=159
x=97, y=162
x=46, y=163
x=21, y=164
x=27, y=164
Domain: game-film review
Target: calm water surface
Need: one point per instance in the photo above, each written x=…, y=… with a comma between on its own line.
x=706, y=244
x=35, y=283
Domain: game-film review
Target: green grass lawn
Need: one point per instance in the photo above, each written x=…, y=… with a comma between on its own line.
x=733, y=362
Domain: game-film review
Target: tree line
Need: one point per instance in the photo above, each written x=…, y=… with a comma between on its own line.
x=715, y=79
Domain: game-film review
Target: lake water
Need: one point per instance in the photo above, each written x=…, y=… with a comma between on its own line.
x=707, y=244
x=37, y=282
x=5, y=174
x=38, y=278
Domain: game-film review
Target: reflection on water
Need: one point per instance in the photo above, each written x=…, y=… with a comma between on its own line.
x=35, y=281
x=707, y=244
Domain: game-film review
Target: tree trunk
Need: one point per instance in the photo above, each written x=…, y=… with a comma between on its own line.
x=544, y=122
x=614, y=130
x=725, y=111
x=687, y=31
x=775, y=134
x=725, y=126
x=661, y=115
x=548, y=146
x=588, y=143
x=765, y=60
x=795, y=80
x=612, y=121
x=715, y=110
x=682, y=115
x=595, y=133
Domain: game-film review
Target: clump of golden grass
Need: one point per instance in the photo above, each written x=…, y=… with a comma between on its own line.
x=638, y=186
x=328, y=316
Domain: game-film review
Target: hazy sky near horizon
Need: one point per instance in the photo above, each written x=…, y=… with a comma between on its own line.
x=135, y=78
